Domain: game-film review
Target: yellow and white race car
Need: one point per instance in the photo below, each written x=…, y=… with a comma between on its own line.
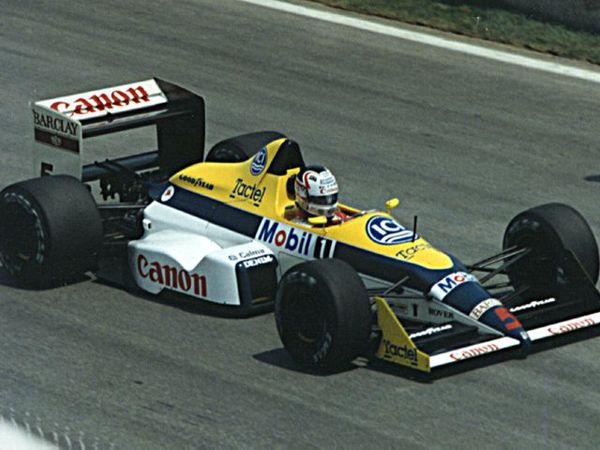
x=219, y=229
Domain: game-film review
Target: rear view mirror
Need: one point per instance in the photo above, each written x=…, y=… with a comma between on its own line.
x=318, y=221
x=391, y=204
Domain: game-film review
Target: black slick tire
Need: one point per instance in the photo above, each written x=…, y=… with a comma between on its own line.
x=323, y=314
x=50, y=230
x=549, y=231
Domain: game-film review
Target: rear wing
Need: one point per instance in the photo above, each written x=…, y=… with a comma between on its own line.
x=62, y=124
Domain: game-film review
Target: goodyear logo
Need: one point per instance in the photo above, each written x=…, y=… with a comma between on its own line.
x=259, y=161
x=198, y=182
x=386, y=231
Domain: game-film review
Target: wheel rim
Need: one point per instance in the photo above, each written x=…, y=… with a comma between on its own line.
x=538, y=270
x=21, y=236
x=304, y=320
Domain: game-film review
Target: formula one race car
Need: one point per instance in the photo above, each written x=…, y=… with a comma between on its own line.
x=216, y=229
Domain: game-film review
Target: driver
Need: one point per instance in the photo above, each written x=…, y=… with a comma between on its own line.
x=316, y=193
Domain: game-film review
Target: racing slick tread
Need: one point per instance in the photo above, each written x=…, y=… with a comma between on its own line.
x=69, y=230
x=551, y=231
x=323, y=314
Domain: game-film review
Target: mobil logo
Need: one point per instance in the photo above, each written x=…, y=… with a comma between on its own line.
x=293, y=240
x=259, y=161
x=285, y=237
x=386, y=231
x=447, y=284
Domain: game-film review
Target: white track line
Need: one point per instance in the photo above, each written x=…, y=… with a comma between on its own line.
x=424, y=38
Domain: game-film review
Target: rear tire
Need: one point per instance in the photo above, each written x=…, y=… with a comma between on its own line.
x=241, y=148
x=323, y=314
x=50, y=230
x=550, y=231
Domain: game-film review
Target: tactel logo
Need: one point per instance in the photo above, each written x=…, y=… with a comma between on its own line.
x=259, y=161
x=392, y=350
x=386, y=231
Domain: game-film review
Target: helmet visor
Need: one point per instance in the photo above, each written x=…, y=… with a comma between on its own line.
x=324, y=200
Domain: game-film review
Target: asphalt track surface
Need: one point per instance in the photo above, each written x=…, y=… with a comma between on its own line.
x=465, y=143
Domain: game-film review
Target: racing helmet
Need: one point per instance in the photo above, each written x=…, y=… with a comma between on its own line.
x=316, y=191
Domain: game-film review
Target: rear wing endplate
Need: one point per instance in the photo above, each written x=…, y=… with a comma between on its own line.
x=62, y=124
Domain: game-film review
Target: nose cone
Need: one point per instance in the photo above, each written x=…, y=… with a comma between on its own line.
x=502, y=320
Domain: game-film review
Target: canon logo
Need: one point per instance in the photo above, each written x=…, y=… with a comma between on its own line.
x=571, y=326
x=102, y=101
x=474, y=351
x=171, y=277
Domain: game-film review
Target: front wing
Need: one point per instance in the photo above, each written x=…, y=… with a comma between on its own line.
x=575, y=307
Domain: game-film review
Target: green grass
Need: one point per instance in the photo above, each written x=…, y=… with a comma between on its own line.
x=474, y=18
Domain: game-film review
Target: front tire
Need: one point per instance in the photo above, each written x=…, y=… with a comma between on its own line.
x=550, y=231
x=323, y=314
x=50, y=230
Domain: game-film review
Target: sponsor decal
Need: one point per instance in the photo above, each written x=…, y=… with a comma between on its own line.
x=258, y=261
x=474, y=351
x=446, y=285
x=327, y=185
x=303, y=243
x=55, y=123
x=246, y=254
x=167, y=194
x=252, y=253
x=508, y=320
x=408, y=253
x=441, y=313
x=400, y=351
x=171, y=277
x=248, y=191
x=56, y=141
x=533, y=304
x=567, y=327
x=322, y=352
x=386, y=231
x=52, y=129
x=259, y=161
x=51, y=138
x=197, y=182
x=481, y=308
x=430, y=331
x=108, y=101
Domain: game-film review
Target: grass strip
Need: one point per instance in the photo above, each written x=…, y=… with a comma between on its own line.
x=478, y=19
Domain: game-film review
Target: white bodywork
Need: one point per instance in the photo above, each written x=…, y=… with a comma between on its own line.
x=58, y=122
x=175, y=253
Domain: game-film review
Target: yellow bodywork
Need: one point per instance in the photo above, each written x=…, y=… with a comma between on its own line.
x=266, y=195
x=396, y=346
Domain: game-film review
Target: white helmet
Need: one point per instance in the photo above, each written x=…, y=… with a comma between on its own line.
x=316, y=191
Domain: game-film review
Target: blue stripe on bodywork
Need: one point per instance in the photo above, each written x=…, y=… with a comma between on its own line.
x=391, y=269
x=364, y=261
x=214, y=211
